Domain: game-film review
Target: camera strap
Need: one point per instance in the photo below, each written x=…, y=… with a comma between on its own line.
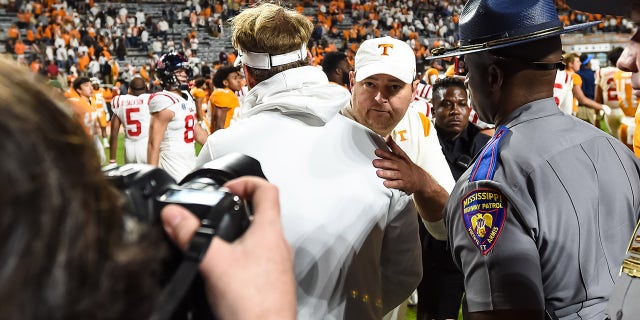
x=181, y=281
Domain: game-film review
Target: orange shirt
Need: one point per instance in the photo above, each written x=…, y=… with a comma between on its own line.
x=19, y=48
x=83, y=62
x=145, y=75
x=82, y=110
x=224, y=98
x=13, y=32
x=31, y=37
x=35, y=66
x=577, y=81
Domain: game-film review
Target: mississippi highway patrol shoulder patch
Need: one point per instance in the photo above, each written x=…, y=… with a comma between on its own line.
x=484, y=212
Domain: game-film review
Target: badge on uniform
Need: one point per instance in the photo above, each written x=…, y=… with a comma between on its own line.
x=484, y=212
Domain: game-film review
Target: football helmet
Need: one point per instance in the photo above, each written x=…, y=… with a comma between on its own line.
x=166, y=67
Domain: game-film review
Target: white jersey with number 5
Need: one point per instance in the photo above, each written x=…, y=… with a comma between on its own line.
x=177, y=149
x=133, y=112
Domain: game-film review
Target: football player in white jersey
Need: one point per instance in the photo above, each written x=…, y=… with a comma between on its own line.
x=173, y=128
x=563, y=91
x=132, y=111
x=610, y=90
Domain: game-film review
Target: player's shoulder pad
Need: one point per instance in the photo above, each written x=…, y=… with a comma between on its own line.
x=161, y=100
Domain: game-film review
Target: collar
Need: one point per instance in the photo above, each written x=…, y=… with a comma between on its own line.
x=531, y=111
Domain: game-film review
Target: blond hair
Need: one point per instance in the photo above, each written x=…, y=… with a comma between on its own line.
x=272, y=29
x=568, y=58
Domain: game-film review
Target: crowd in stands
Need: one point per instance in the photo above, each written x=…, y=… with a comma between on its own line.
x=64, y=40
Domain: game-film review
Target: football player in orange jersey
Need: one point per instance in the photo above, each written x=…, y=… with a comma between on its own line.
x=80, y=96
x=223, y=100
x=99, y=105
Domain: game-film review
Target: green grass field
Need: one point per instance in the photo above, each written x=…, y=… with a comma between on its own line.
x=120, y=151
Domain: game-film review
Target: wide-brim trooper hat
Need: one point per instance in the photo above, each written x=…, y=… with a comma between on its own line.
x=611, y=7
x=493, y=24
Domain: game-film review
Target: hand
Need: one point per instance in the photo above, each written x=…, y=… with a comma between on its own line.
x=606, y=109
x=401, y=173
x=398, y=170
x=251, y=278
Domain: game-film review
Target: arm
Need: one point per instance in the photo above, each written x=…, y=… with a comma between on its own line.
x=261, y=259
x=401, y=173
x=113, y=139
x=220, y=117
x=199, y=112
x=502, y=273
x=158, y=126
x=583, y=100
x=598, y=95
x=200, y=133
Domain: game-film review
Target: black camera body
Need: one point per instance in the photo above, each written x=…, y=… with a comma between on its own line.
x=148, y=189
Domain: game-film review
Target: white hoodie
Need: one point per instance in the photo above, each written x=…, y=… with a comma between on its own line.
x=348, y=231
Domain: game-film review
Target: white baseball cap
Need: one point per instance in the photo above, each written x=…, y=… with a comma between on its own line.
x=385, y=55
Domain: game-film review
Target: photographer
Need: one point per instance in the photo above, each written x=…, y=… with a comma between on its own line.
x=65, y=252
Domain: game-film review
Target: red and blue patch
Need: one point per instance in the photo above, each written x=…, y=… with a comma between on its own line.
x=484, y=212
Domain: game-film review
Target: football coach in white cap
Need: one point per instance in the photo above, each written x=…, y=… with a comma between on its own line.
x=539, y=222
x=382, y=88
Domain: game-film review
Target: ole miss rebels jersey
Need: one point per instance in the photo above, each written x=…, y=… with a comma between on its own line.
x=133, y=112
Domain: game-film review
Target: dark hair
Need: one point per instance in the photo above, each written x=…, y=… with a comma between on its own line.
x=614, y=55
x=63, y=242
x=331, y=60
x=441, y=85
x=80, y=81
x=198, y=82
x=222, y=74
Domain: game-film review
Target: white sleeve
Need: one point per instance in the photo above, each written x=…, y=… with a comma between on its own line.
x=160, y=101
x=206, y=153
x=417, y=136
x=432, y=160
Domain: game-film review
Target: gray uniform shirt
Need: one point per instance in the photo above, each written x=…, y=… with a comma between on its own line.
x=623, y=304
x=544, y=215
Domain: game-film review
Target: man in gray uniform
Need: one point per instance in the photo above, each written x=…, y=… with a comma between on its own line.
x=626, y=294
x=540, y=220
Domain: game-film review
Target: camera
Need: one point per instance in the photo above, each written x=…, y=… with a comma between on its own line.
x=147, y=189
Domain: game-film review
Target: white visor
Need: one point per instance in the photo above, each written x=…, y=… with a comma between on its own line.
x=267, y=61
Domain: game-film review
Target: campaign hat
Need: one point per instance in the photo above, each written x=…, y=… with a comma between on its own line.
x=493, y=24
x=611, y=7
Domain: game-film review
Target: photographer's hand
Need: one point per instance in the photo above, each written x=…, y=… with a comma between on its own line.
x=251, y=278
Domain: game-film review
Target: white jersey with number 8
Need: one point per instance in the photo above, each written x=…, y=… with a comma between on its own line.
x=177, y=149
